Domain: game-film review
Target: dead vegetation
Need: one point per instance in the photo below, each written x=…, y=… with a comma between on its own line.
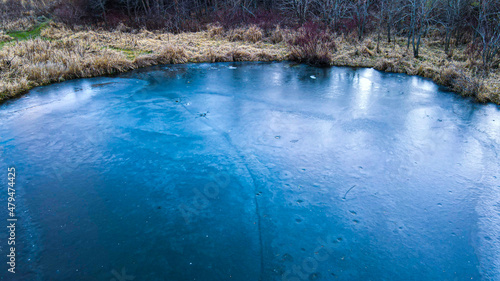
x=312, y=45
x=60, y=53
x=22, y=23
x=5, y=37
x=460, y=71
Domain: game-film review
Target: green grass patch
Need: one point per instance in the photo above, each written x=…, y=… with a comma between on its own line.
x=131, y=54
x=24, y=35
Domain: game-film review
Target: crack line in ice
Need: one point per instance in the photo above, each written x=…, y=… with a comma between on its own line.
x=256, y=202
x=348, y=191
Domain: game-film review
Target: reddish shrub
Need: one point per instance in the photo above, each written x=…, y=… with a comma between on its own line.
x=312, y=44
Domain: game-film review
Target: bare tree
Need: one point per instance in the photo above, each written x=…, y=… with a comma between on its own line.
x=452, y=12
x=488, y=28
x=420, y=13
x=131, y=7
x=300, y=8
x=332, y=11
x=392, y=15
x=98, y=9
x=360, y=9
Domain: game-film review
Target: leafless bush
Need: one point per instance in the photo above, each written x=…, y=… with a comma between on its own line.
x=312, y=45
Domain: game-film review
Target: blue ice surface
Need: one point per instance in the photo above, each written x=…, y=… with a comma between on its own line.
x=252, y=171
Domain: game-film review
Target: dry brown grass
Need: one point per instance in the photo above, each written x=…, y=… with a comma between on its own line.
x=215, y=31
x=23, y=23
x=251, y=34
x=5, y=37
x=61, y=54
x=458, y=71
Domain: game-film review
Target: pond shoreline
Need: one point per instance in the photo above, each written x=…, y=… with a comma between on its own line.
x=60, y=54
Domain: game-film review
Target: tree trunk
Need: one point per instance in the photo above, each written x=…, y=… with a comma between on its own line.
x=388, y=32
x=447, y=42
x=416, y=46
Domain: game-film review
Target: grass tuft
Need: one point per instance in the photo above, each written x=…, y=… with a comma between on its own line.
x=251, y=34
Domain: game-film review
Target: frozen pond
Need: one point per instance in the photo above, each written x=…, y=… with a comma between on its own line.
x=252, y=171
